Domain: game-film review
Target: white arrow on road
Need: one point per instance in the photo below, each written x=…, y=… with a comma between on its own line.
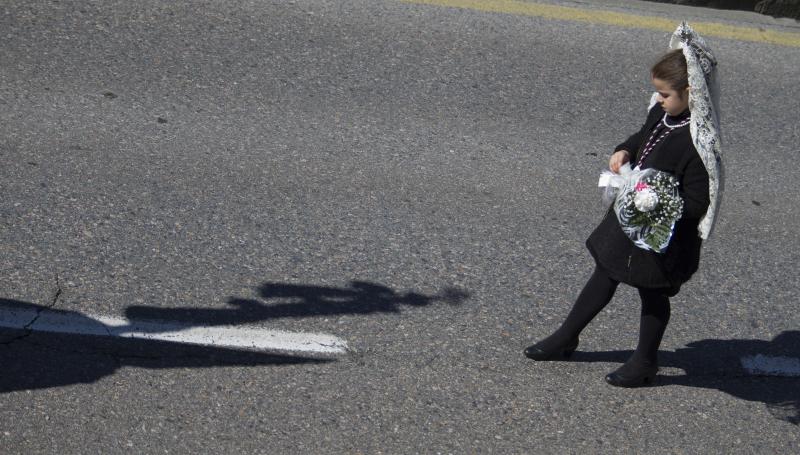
x=229, y=336
x=762, y=365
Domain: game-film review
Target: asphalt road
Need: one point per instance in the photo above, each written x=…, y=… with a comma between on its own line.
x=416, y=180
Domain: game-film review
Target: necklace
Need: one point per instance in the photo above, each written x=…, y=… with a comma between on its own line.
x=651, y=143
x=682, y=123
x=658, y=135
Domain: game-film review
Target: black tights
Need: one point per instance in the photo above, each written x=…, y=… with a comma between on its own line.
x=595, y=295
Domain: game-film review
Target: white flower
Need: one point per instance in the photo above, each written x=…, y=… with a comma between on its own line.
x=645, y=200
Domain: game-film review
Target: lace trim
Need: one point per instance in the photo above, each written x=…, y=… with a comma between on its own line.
x=704, y=105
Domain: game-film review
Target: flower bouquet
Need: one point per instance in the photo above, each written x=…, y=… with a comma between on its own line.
x=647, y=205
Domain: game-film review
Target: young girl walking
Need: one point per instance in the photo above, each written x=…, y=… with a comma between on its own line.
x=679, y=137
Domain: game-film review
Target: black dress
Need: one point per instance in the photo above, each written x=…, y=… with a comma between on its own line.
x=616, y=253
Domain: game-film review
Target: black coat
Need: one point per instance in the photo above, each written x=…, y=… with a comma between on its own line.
x=617, y=254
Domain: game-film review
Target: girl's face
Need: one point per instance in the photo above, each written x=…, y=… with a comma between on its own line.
x=672, y=101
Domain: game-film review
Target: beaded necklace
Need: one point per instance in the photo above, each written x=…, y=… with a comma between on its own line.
x=655, y=138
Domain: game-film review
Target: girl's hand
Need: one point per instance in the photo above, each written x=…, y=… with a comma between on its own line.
x=619, y=158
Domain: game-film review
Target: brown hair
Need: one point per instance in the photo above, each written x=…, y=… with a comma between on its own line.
x=671, y=68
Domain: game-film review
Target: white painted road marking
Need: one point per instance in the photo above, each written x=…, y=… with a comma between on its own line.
x=762, y=365
x=229, y=336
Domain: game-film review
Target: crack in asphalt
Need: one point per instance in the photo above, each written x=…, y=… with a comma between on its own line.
x=27, y=327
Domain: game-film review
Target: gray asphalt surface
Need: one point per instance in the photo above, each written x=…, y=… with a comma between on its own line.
x=417, y=180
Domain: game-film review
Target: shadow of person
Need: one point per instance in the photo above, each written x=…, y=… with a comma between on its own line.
x=298, y=301
x=36, y=360
x=33, y=360
x=740, y=368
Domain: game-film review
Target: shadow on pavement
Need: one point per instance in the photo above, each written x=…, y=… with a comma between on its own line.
x=717, y=364
x=35, y=360
x=300, y=301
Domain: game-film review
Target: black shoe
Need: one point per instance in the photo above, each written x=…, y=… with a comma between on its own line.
x=645, y=376
x=536, y=353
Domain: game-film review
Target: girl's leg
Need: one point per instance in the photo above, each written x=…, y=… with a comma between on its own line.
x=595, y=295
x=643, y=364
x=653, y=323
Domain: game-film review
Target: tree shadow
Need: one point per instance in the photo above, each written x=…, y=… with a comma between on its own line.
x=284, y=300
x=717, y=364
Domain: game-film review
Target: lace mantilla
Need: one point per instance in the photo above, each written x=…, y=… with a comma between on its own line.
x=704, y=105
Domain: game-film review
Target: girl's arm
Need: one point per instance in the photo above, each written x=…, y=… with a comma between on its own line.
x=631, y=145
x=694, y=188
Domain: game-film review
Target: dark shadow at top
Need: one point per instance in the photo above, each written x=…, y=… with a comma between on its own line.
x=283, y=300
x=775, y=8
x=717, y=364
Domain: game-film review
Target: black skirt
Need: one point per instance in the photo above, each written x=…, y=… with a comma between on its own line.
x=623, y=261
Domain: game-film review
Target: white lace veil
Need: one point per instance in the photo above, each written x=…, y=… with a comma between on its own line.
x=704, y=106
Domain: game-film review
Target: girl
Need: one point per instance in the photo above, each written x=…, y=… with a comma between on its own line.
x=680, y=136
